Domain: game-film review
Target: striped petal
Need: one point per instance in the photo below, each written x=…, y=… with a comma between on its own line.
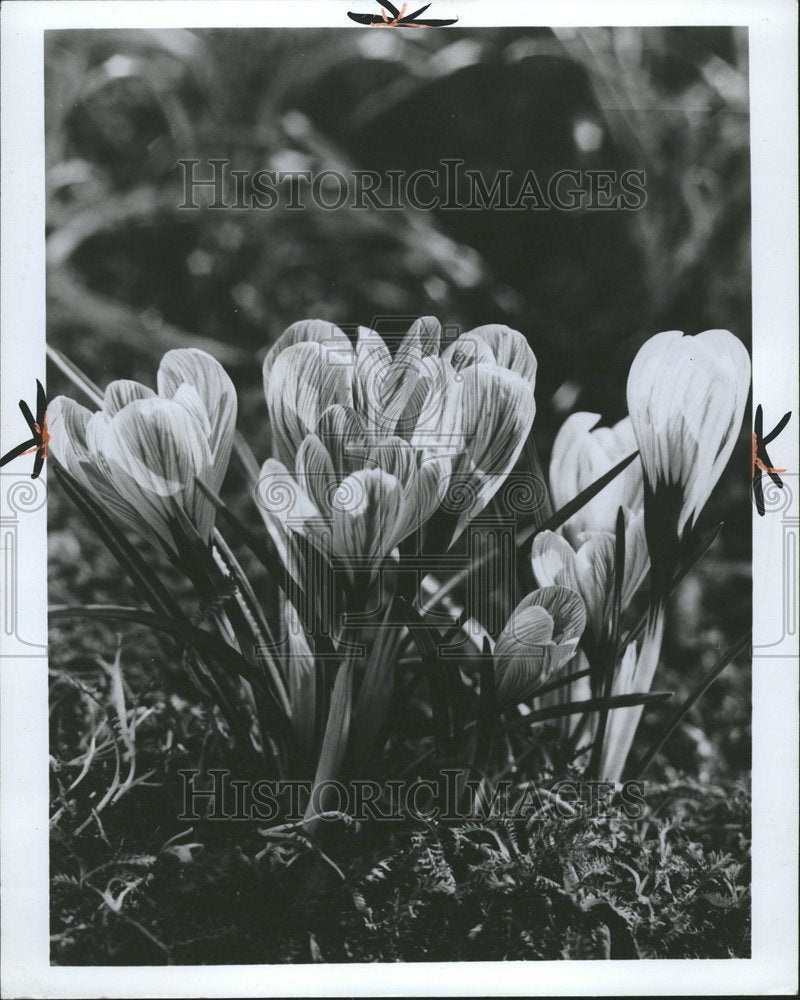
x=285, y=508
x=521, y=653
x=540, y=638
x=373, y=362
x=315, y=472
x=686, y=397
x=305, y=380
x=192, y=369
x=564, y=606
x=118, y=394
x=497, y=412
x=367, y=507
x=343, y=433
x=594, y=568
x=494, y=342
x=553, y=561
x=154, y=448
x=306, y=331
x=581, y=455
x=66, y=423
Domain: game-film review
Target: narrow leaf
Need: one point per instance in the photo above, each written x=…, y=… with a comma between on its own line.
x=527, y=534
x=705, y=683
x=683, y=571
x=589, y=705
x=204, y=641
x=75, y=375
x=334, y=742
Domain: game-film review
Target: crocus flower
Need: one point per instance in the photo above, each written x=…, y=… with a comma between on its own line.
x=588, y=568
x=141, y=452
x=686, y=398
x=540, y=637
x=582, y=452
x=367, y=442
x=355, y=508
x=581, y=555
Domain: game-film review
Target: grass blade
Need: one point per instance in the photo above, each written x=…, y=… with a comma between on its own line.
x=487, y=712
x=610, y=655
x=589, y=705
x=75, y=375
x=204, y=641
x=730, y=654
x=566, y=512
x=126, y=554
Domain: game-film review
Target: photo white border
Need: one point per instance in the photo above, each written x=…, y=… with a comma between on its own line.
x=24, y=716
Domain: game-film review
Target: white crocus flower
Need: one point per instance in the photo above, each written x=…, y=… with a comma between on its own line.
x=582, y=452
x=355, y=499
x=400, y=424
x=588, y=568
x=540, y=637
x=582, y=555
x=686, y=398
x=140, y=454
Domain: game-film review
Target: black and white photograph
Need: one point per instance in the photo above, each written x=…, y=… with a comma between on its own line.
x=402, y=465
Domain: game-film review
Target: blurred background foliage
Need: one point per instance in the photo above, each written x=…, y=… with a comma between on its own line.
x=131, y=275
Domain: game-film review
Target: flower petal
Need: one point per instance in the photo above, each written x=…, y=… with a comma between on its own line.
x=205, y=375
x=522, y=652
x=506, y=347
x=564, y=606
x=343, y=433
x=553, y=561
x=498, y=410
x=594, y=567
x=160, y=444
x=428, y=331
x=373, y=362
x=315, y=472
x=305, y=380
x=307, y=331
x=686, y=397
x=66, y=423
x=122, y=392
x=580, y=456
x=367, y=508
x=154, y=449
x=285, y=509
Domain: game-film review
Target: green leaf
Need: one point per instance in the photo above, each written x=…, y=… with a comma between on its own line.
x=487, y=712
x=609, y=656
